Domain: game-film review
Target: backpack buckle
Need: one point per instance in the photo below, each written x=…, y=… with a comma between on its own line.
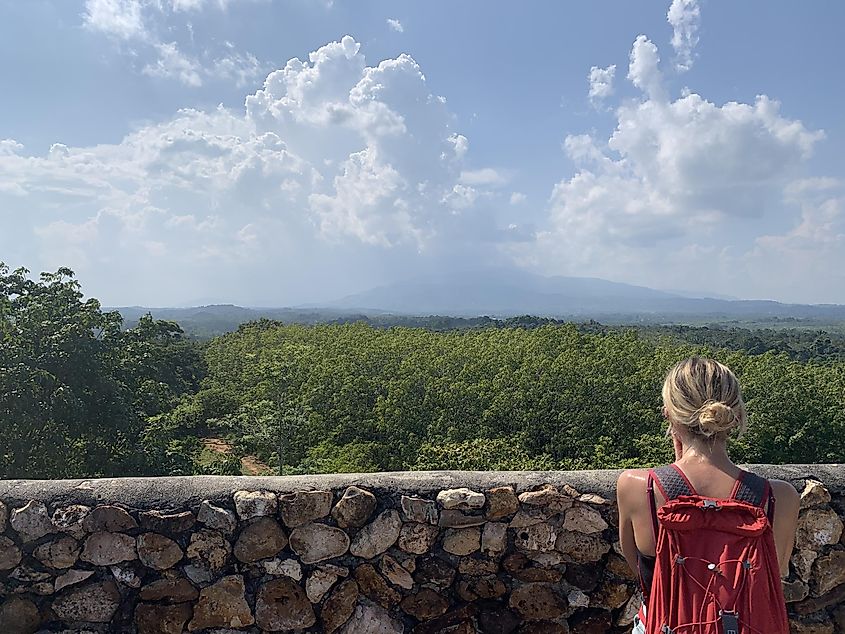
x=710, y=504
x=730, y=622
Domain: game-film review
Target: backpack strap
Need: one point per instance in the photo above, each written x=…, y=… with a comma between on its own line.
x=672, y=484
x=756, y=491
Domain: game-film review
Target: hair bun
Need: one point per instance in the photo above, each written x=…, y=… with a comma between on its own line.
x=716, y=418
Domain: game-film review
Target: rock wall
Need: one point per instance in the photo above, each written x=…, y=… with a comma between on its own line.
x=423, y=553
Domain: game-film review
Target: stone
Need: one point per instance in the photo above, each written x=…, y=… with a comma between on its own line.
x=839, y=618
x=424, y=605
x=462, y=498
x=417, y=539
x=159, y=522
x=282, y=605
x=10, y=554
x=419, y=510
x=537, y=601
x=462, y=541
x=591, y=622
x=501, y=502
x=19, y=616
x=373, y=585
x=222, y=604
x=547, y=496
x=477, y=567
x=31, y=521
x=794, y=591
x=797, y=626
x=104, y=549
x=318, y=542
x=618, y=566
x=4, y=516
x=611, y=595
x=250, y=504
x=71, y=519
x=453, y=518
x=578, y=598
x=217, y=518
x=498, y=620
x=109, y=518
x=814, y=494
x=583, y=576
x=546, y=627
x=377, y=536
x=632, y=607
x=372, y=619
x=580, y=547
x=158, y=552
x=94, y=603
x=433, y=571
x=283, y=568
x=538, y=537
x=487, y=587
x=28, y=574
x=528, y=517
x=162, y=619
x=70, y=578
x=339, y=607
x=583, y=519
x=320, y=582
x=354, y=508
x=178, y=590
x=260, y=539
x=517, y=565
x=828, y=572
x=592, y=498
x=126, y=575
x=494, y=538
x=802, y=560
x=818, y=527
x=549, y=559
x=209, y=549
x=302, y=507
x=395, y=573
x=58, y=553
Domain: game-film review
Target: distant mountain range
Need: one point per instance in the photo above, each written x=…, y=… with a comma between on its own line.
x=501, y=294
x=507, y=293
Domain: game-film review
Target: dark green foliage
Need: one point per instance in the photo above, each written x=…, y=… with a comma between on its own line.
x=75, y=390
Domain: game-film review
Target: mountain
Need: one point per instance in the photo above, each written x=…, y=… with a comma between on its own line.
x=504, y=293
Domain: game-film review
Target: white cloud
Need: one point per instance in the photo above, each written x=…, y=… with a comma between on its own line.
x=395, y=25
x=677, y=190
x=601, y=83
x=118, y=18
x=243, y=68
x=517, y=198
x=684, y=16
x=173, y=64
x=484, y=176
x=346, y=170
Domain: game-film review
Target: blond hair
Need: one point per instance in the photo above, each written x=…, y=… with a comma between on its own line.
x=703, y=395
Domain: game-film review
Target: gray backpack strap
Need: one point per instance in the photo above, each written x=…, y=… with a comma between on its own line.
x=672, y=482
x=752, y=489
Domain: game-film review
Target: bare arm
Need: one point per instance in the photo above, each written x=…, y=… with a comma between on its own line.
x=630, y=489
x=787, y=504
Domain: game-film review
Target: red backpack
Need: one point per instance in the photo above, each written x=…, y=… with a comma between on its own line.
x=716, y=569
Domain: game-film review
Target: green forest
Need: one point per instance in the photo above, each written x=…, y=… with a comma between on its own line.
x=82, y=395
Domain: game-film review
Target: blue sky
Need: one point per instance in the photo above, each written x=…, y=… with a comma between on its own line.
x=169, y=152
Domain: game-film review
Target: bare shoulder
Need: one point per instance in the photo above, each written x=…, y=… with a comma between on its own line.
x=631, y=485
x=785, y=493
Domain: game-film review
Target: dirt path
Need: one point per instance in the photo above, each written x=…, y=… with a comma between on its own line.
x=250, y=465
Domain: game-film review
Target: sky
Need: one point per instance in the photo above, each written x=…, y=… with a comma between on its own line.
x=272, y=153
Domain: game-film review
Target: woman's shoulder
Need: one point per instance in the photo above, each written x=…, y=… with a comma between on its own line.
x=785, y=493
x=631, y=485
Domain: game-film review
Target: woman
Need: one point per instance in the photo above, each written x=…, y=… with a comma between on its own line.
x=702, y=404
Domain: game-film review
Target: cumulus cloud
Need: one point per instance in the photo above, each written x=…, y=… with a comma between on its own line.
x=347, y=170
x=601, y=83
x=684, y=16
x=173, y=64
x=395, y=25
x=677, y=189
x=139, y=23
x=517, y=198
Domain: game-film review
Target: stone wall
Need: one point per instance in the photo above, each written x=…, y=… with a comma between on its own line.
x=423, y=553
